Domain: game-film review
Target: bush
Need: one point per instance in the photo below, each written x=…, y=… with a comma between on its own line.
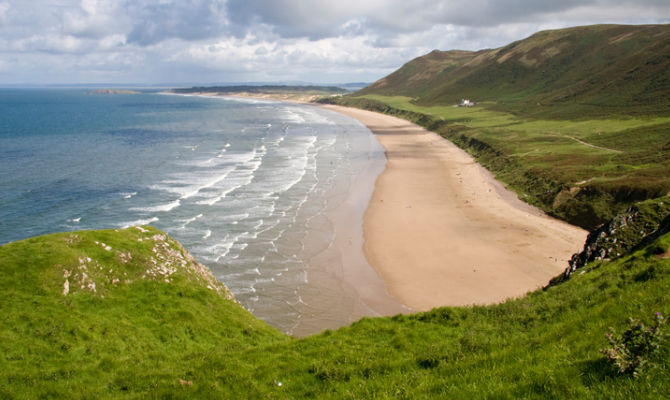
x=634, y=350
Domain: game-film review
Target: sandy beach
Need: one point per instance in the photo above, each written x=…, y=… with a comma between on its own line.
x=437, y=230
x=440, y=230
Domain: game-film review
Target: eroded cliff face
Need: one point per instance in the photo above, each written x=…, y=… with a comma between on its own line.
x=639, y=225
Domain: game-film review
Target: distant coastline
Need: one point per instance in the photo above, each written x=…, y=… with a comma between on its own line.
x=291, y=94
x=113, y=91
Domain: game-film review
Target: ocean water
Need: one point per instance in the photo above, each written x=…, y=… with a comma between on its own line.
x=245, y=185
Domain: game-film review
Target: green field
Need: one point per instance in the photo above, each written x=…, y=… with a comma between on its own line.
x=143, y=336
x=576, y=120
x=577, y=150
x=582, y=170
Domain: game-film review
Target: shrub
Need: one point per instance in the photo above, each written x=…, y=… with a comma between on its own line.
x=634, y=350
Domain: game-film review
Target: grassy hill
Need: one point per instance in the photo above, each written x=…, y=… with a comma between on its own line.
x=576, y=120
x=584, y=71
x=140, y=318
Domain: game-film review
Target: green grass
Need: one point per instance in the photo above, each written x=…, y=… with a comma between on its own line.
x=582, y=170
x=180, y=339
x=593, y=71
x=575, y=120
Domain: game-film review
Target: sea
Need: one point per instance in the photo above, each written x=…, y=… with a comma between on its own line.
x=245, y=185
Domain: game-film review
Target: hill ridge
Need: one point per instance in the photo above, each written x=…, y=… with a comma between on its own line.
x=596, y=66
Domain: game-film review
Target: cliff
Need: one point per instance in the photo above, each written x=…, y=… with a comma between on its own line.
x=638, y=226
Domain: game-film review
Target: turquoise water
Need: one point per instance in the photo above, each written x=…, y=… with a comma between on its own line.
x=236, y=181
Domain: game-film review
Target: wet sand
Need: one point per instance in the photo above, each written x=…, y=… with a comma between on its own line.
x=440, y=230
x=342, y=286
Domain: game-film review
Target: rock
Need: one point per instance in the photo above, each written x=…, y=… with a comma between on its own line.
x=637, y=226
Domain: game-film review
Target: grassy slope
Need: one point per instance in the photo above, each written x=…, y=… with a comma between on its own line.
x=576, y=120
x=135, y=336
x=567, y=73
x=148, y=337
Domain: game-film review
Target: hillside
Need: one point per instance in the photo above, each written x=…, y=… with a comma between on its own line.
x=576, y=121
x=583, y=71
x=140, y=318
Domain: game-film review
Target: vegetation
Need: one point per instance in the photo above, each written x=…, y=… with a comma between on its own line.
x=637, y=226
x=632, y=351
x=583, y=171
x=573, y=120
x=587, y=71
x=143, y=336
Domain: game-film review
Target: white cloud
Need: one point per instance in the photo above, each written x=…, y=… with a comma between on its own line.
x=4, y=8
x=294, y=59
x=94, y=19
x=226, y=40
x=154, y=22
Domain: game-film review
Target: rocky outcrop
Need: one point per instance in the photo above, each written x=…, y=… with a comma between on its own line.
x=639, y=225
x=139, y=254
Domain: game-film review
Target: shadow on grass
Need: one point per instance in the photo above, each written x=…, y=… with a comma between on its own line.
x=596, y=371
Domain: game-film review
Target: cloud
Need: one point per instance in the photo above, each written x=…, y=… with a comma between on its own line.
x=4, y=8
x=188, y=20
x=317, y=19
x=263, y=40
x=93, y=19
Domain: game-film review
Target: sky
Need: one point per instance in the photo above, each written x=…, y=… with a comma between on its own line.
x=224, y=41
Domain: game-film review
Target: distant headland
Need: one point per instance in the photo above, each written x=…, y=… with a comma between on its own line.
x=113, y=91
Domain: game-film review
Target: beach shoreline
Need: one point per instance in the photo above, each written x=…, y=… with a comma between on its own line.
x=342, y=287
x=435, y=229
x=441, y=231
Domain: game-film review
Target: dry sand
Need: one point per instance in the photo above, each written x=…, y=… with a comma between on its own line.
x=440, y=230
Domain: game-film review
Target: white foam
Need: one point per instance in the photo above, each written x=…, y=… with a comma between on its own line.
x=138, y=222
x=245, y=100
x=222, y=249
x=315, y=117
x=165, y=186
x=240, y=246
x=188, y=221
x=235, y=217
x=206, y=185
x=216, y=199
x=275, y=142
x=245, y=172
x=207, y=234
x=246, y=290
x=218, y=250
x=128, y=195
x=159, y=208
x=291, y=115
